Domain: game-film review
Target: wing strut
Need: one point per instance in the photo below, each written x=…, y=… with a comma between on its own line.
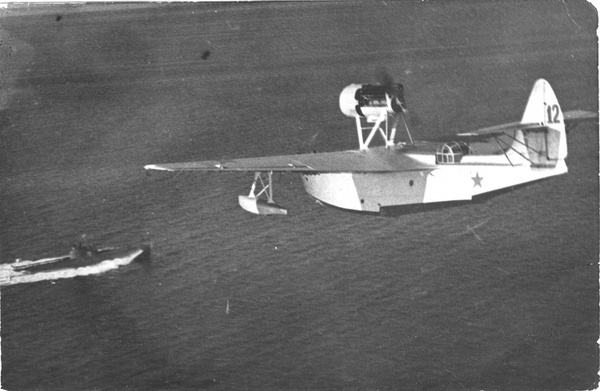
x=504, y=152
x=254, y=204
x=405, y=127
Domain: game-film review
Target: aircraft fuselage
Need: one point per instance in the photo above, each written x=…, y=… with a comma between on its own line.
x=369, y=192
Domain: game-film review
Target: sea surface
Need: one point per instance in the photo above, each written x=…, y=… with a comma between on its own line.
x=500, y=294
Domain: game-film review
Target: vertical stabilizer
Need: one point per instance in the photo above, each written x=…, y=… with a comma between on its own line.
x=547, y=144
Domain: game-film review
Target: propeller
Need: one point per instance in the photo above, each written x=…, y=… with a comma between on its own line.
x=394, y=90
x=384, y=77
x=308, y=146
x=409, y=118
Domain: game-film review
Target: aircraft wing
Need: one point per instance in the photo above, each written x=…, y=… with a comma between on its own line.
x=372, y=160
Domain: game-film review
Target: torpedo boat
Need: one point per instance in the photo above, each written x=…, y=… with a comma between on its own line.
x=81, y=255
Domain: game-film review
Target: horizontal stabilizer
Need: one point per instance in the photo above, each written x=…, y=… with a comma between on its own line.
x=502, y=129
x=575, y=117
x=580, y=115
x=571, y=118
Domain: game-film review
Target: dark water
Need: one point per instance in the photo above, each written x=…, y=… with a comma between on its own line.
x=321, y=299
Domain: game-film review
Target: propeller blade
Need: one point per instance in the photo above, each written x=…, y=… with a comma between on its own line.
x=383, y=77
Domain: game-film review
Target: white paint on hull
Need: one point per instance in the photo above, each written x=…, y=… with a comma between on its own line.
x=371, y=191
x=334, y=189
x=495, y=177
x=447, y=185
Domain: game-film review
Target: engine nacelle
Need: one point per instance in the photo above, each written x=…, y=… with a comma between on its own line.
x=369, y=100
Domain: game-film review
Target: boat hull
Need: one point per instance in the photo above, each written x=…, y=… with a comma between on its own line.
x=81, y=259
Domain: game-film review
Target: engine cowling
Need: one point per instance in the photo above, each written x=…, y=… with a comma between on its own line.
x=369, y=100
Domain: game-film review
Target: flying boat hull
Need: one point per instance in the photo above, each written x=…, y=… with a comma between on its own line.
x=373, y=192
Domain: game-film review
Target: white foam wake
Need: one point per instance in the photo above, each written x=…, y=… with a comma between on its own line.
x=8, y=276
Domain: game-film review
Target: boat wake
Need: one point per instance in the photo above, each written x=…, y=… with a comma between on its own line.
x=10, y=276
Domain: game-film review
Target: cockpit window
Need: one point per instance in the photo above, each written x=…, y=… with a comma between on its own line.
x=451, y=152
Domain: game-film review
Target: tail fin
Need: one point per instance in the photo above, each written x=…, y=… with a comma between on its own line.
x=546, y=144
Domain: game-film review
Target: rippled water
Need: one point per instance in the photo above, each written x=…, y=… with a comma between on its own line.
x=321, y=298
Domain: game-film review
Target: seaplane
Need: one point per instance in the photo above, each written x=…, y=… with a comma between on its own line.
x=410, y=175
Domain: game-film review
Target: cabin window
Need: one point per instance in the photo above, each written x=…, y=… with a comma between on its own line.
x=451, y=153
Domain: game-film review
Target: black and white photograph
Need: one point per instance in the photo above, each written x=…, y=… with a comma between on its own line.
x=286, y=195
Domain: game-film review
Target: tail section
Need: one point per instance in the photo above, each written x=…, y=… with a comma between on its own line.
x=546, y=144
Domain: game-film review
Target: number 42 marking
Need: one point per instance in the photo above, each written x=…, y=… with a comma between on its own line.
x=553, y=112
